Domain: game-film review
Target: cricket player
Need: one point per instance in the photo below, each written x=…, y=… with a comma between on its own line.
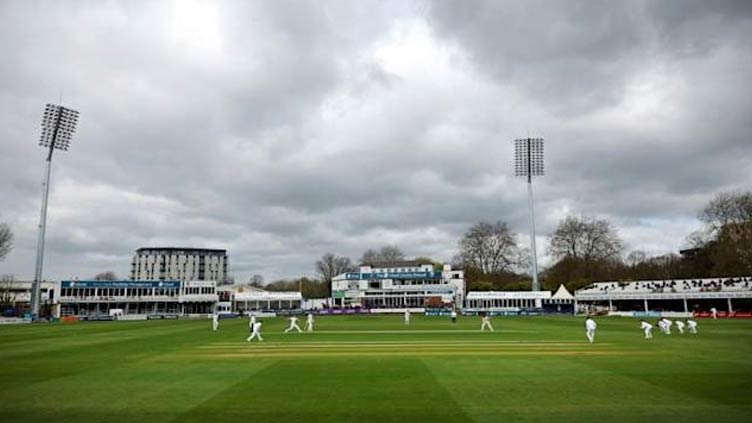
x=486, y=323
x=664, y=326
x=252, y=321
x=407, y=317
x=590, y=327
x=668, y=324
x=692, y=326
x=647, y=328
x=293, y=325
x=661, y=325
x=454, y=316
x=714, y=312
x=255, y=332
x=309, y=323
x=680, y=326
x=215, y=321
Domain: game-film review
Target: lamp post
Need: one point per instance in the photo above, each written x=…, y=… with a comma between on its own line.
x=528, y=162
x=58, y=126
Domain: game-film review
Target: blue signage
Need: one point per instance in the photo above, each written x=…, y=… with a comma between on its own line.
x=354, y=276
x=646, y=314
x=120, y=284
x=438, y=312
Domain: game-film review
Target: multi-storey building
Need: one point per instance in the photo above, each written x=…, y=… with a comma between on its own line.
x=15, y=298
x=188, y=264
x=399, y=284
x=92, y=299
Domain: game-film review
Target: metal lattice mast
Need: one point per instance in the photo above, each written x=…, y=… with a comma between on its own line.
x=528, y=162
x=58, y=126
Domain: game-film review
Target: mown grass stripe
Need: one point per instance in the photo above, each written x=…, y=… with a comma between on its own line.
x=360, y=353
x=389, y=346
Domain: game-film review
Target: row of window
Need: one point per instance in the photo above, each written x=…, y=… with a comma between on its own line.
x=118, y=292
x=164, y=260
x=398, y=270
x=376, y=284
x=199, y=290
x=397, y=294
x=133, y=292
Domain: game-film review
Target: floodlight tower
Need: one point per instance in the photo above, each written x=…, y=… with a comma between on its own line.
x=528, y=162
x=58, y=126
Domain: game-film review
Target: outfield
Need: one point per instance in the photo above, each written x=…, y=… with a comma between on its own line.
x=369, y=368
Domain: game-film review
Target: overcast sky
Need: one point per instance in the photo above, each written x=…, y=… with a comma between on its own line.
x=284, y=130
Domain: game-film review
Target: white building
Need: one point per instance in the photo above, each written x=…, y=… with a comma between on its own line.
x=397, y=285
x=267, y=301
x=94, y=299
x=677, y=295
x=15, y=298
x=519, y=302
x=244, y=299
x=170, y=263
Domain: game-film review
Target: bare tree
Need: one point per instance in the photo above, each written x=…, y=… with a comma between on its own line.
x=332, y=265
x=256, y=280
x=728, y=220
x=6, y=240
x=636, y=258
x=384, y=254
x=228, y=280
x=727, y=209
x=666, y=266
x=106, y=276
x=490, y=248
x=585, y=238
x=7, y=295
x=700, y=238
x=391, y=253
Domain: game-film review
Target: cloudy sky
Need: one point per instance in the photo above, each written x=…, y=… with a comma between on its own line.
x=281, y=130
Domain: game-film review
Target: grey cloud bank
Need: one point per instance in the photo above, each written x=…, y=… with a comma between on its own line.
x=283, y=130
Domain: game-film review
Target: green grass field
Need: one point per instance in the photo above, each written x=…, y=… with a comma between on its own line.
x=369, y=368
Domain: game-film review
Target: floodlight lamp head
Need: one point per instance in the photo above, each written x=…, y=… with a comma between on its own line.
x=58, y=125
x=528, y=157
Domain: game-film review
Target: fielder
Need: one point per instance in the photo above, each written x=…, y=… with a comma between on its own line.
x=252, y=321
x=668, y=324
x=590, y=327
x=293, y=325
x=692, y=325
x=647, y=328
x=680, y=326
x=663, y=326
x=407, y=317
x=486, y=323
x=215, y=322
x=714, y=312
x=454, y=316
x=255, y=332
x=309, y=323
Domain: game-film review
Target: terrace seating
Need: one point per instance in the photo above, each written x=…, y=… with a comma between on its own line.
x=672, y=286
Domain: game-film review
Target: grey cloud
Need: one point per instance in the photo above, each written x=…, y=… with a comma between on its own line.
x=279, y=135
x=576, y=56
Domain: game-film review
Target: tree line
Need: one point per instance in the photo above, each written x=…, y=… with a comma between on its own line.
x=587, y=249
x=584, y=249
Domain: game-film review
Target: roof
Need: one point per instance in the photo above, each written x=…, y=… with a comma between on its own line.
x=562, y=294
x=396, y=263
x=508, y=295
x=269, y=296
x=240, y=288
x=200, y=250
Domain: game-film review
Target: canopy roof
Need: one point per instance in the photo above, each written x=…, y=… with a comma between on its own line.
x=562, y=294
